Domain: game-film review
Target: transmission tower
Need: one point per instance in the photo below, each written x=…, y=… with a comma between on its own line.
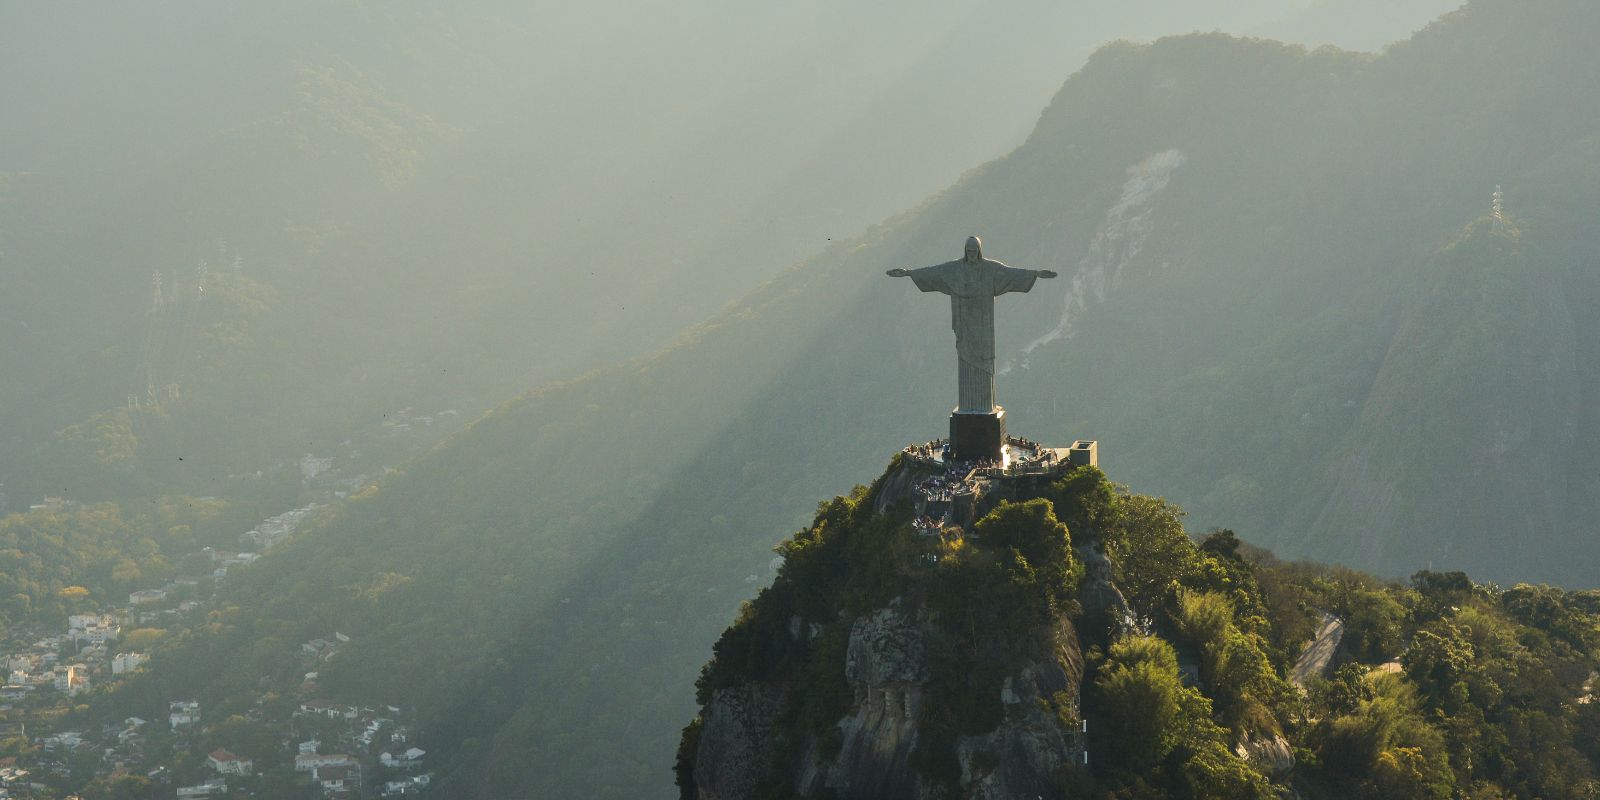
x=151, y=346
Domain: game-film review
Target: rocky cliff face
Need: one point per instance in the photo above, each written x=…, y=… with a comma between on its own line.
x=889, y=661
x=732, y=760
x=1026, y=755
x=886, y=665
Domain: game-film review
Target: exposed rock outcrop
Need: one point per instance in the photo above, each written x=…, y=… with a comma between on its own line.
x=1271, y=754
x=733, y=758
x=896, y=485
x=1027, y=753
x=1100, y=595
x=886, y=666
x=890, y=664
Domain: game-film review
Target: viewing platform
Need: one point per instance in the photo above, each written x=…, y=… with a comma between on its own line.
x=947, y=494
x=1020, y=457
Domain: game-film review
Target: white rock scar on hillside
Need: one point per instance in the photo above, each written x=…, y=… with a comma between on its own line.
x=1116, y=243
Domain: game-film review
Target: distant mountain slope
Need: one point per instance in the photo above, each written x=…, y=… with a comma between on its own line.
x=1268, y=308
x=1354, y=24
x=1477, y=397
x=415, y=179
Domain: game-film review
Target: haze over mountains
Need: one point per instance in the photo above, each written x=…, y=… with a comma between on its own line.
x=413, y=183
x=1281, y=305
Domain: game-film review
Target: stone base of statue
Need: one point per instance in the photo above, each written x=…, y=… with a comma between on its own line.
x=977, y=437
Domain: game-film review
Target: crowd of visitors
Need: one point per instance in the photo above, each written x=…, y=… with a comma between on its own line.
x=953, y=479
x=937, y=489
x=1023, y=455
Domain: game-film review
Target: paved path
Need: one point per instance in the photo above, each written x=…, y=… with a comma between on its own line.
x=1318, y=653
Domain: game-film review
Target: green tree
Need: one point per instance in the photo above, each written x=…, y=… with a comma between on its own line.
x=1386, y=748
x=1143, y=695
x=1150, y=551
x=1438, y=662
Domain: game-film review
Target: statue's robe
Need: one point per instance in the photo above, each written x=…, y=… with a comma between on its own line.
x=972, y=288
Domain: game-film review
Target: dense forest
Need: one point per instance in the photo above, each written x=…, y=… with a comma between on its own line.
x=1440, y=687
x=59, y=561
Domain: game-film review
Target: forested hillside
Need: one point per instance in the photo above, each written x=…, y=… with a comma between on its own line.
x=1281, y=305
x=1434, y=688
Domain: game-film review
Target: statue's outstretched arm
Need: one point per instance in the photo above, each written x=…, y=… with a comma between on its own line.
x=1038, y=273
x=928, y=279
x=907, y=273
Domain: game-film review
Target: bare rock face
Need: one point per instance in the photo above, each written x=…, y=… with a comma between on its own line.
x=733, y=757
x=1024, y=755
x=1100, y=593
x=886, y=648
x=895, y=487
x=1270, y=754
x=886, y=666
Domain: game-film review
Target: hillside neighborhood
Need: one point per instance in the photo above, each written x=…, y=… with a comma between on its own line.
x=302, y=743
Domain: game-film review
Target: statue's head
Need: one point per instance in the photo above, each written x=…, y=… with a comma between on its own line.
x=974, y=250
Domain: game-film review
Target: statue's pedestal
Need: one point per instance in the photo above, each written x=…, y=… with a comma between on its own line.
x=976, y=437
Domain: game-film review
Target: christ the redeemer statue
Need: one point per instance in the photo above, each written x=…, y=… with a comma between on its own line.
x=977, y=428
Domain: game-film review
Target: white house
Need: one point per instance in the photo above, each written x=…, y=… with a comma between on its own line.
x=334, y=779
x=412, y=785
x=229, y=764
x=70, y=680
x=183, y=712
x=409, y=758
x=309, y=747
x=329, y=710
x=100, y=634
x=70, y=739
x=146, y=596
x=214, y=786
x=127, y=662
x=306, y=762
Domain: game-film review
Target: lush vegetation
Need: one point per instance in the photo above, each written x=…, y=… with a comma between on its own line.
x=997, y=595
x=1440, y=687
x=72, y=558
